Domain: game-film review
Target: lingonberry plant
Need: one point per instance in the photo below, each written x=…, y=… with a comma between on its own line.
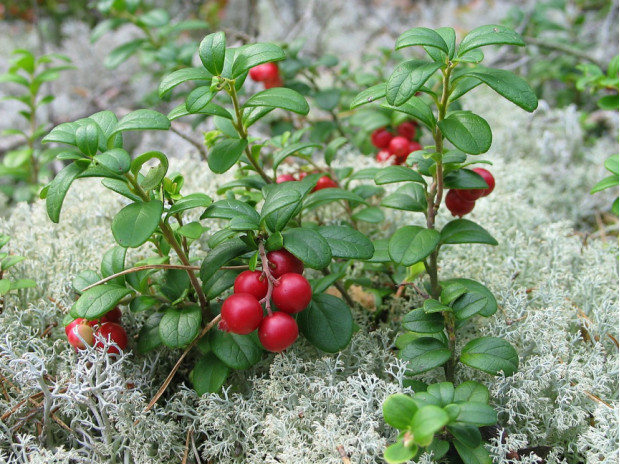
x=7, y=261
x=261, y=232
x=444, y=415
x=25, y=165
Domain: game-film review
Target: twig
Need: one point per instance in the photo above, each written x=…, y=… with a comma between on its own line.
x=142, y=268
x=200, y=147
x=162, y=389
x=196, y=454
x=186, y=453
x=343, y=454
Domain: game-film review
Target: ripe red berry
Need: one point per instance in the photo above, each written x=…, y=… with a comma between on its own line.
x=277, y=332
x=324, y=182
x=111, y=332
x=383, y=156
x=79, y=334
x=381, y=138
x=457, y=205
x=264, y=72
x=406, y=129
x=488, y=178
x=114, y=315
x=241, y=314
x=292, y=293
x=285, y=178
x=399, y=146
x=282, y=262
x=252, y=282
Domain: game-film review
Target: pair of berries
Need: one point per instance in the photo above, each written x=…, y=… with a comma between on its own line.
x=461, y=202
x=268, y=74
x=242, y=312
x=395, y=147
x=82, y=333
x=322, y=183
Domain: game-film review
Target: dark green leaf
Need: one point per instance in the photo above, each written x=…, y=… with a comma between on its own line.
x=408, y=78
x=227, y=209
x=450, y=291
x=143, y=303
x=371, y=214
x=209, y=374
x=193, y=200
x=198, y=99
x=176, y=283
x=328, y=195
x=433, y=306
x=252, y=55
x=332, y=148
x=467, y=132
x=57, y=189
x=85, y=279
x=309, y=246
x=398, y=410
x=475, y=287
x=478, y=455
x=418, y=321
x=97, y=301
x=135, y=223
x=220, y=256
x=180, y=76
x=462, y=86
x=346, y=242
x=464, y=179
x=281, y=205
x=87, y=138
x=149, y=339
x=409, y=197
x=392, y=174
x=113, y=262
x=179, y=326
x=279, y=97
x=221, y=281
x=490, y=355
x=471, y=391
x=121, y=187
x=469, y=305
x=327, y=323
x=466, y=434
x=489, y=35
x=508, y=85
x=62, y=133
x=141, y=120
x=465, y=231
x=236, y=351
x=421, y=36
x=211, y=109
x=369, y=95
x=424, y=354
x=212, y=52
x=225, y=153
x=327, y=99
x=116, y=160
x=443, y=391
x=411, y=244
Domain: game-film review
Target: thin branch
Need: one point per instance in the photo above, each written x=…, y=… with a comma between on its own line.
x=200, y=147
x=564, y=49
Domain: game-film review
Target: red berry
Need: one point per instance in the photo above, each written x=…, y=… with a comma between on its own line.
x=282, y=262
x=399, y=146
x=79, y=334
x=302, y=174
x=277, y=332
x=241, y=313
x=292, y=293
x=469, y=194
x=285, y=178
x=114, y=315
x=111, y=332
x=406, y=129
x=457, y=205
x=381, y=138
x=414, y=146
x=383, y=156
x=264, y=72
x=488, y=178
x=270, y=83
x=252, y=282
x=325, y=182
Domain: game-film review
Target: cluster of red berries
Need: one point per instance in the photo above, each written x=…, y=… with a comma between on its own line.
x=268, y=74
x=322, y=183
x=242, y=312
x=461, y=202
x=82, y=332
x=395, y=147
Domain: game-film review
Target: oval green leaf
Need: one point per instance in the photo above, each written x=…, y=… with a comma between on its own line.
x=411, y=244
x=236, y=351
x=327, y=323
x=309, y=246
x=212, y=52
x=97, y=301
x=398, y=410
x=467, y=132
x=225, y=153
x=508, y=85
x=491, y=34
x=465, y=231
x=209, y=374
x=252, y=55
x=135, y=223
x=424, y=354
x=346, y=242
x=180, y=76
x=421, y=322
x=179, y=326
x=421, y=36
x=279, y=97
x=490, y=355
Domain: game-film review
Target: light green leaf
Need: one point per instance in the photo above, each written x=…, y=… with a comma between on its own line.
x=97, y=301
x=309, y=246
x=212, y=52
x=407, y=78
x=392, y=174
x=465, y=231
x=421, y=36
x=135, y=223
x=409, y=197
x=279, y=97
x=141, y=120
x=225, y=153
x=180, y=76
x=508, y=85
x=346, y=242
x=252, y=55
x=58, y=188
x=421, y=322
x=398, y=410
x=179, y=326
x=491, y=34
x=369, y=95
x=411, y=244
x=467, y=132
